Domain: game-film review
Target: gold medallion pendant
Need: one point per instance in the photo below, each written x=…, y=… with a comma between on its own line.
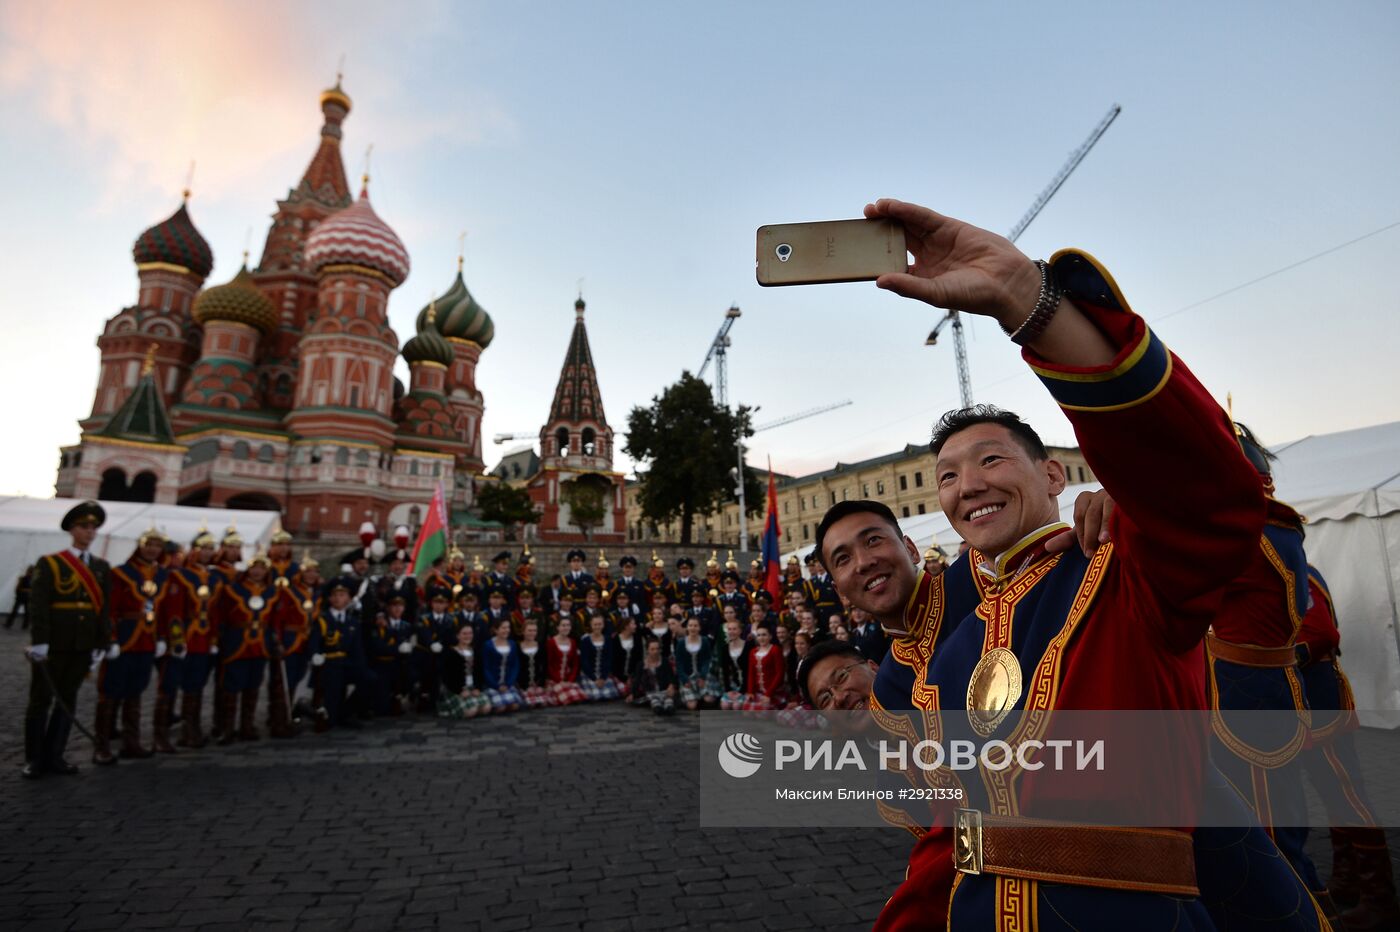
x=148, y=588
x=993, y=690
x=256, y=603
x=202, y=592
x=307, y=605
x=282, y=582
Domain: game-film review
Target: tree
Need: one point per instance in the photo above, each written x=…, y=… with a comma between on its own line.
x=688, y=444
x=506, y=504
x=587, y=504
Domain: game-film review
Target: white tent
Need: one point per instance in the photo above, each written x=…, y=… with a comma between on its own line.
x=29, y=528
x=1347, y=485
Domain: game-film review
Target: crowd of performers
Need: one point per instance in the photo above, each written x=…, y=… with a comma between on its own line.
x=462, y=643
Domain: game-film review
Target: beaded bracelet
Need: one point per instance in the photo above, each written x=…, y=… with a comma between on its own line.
x=1045, y=306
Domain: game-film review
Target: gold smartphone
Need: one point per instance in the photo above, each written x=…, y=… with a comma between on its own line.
x=829, y=251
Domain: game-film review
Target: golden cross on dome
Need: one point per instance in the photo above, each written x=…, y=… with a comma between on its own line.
x=461, y=248
x=189, y=180
x=339, y=69
x=580, y=289
x=247, y=242
x=364, y=179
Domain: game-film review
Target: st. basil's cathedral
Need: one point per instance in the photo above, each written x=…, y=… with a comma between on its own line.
x=276, y=391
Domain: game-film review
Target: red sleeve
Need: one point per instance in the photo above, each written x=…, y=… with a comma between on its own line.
x=1190, y=508
x=921, y=901
x=1318, y=633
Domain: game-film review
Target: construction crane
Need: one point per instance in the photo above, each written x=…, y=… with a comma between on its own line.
x=719, y=351
x=502, y=438
x=810, y=412
x=953, y=316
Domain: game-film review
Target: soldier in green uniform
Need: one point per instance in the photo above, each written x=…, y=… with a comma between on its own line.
x=68, y=603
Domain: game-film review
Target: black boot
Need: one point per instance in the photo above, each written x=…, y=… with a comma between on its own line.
x=132, y=748
x=34, y=763
x=1378, y=907
x=102, y=727
x=56, y=741
x=1343, y=883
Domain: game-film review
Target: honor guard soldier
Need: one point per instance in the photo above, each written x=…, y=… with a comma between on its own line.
x=713, y=571
x=250, y=612
x=453, y=576
x=305, y=594
x=756, y=581
x=730, y=596
x=629, y=582
x=935, y=560
x=525, y=572
x=1362, y=882
x=140, y=607
x=229, y=563
x=201, y=584
x=656, y=582
x=68, y=605
x=604, y=581
x=576, y=578
x=1121, y=627
x=355, y=567
x=428, y=631
x=499, y=579
x=388, y=641
x=279, y=554
x=526, y=611
x=792, y=578
x=685, y=584
x=820, y=591
x=397, y=582
x=337, y=650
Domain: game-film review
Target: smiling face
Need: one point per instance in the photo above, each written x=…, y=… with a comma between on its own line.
x=992, y=490
x=872, y=565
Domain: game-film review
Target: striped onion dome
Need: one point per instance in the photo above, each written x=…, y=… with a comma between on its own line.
x=428, y=345
x=175, y=241
x=356, y=236
x=460, y=316
x=239, y=300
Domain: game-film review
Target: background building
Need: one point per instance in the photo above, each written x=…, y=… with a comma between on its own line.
x=275, y=390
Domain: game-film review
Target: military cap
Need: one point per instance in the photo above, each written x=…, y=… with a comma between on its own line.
x=456, y=554
x=151, y=533
x=400, y=555
x=396, y=597
x=730, y=576
x=755, y=564
x=260, y=557
x=628, y=561
x=713, y=562
x=503, y=555
x=203, y=538
x=359, y=553
x=231, y=537
x=1254, y=451
x=792, y=560
x=309, y=562
x=281, y=535
x=810, y=559
x=763, y=595
x=575, y=554
x=340, y=582
x=438, y=592
x=83, y=513
x=935, y=553
x=685, y=561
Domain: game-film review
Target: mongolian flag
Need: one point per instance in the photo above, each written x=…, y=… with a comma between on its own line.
x=772, y=565
x=432, y=536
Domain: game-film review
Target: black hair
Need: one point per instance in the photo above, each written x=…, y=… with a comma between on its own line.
x=841, y=510
x=961, y=419
x=828, y=648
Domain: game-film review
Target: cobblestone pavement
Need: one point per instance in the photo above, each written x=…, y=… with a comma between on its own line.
x=553, y=819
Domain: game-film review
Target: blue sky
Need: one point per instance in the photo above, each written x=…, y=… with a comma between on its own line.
x=638, y=146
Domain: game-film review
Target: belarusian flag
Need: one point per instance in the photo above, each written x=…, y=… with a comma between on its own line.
x=432, y=536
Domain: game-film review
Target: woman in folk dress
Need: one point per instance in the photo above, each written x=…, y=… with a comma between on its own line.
x=562, y=654
x=595, y=662
x=462, y=679
x=534, y=664
x=767, y=675
x=695, y=656
x=501, y=667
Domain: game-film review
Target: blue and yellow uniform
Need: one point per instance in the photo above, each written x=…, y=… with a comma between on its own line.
x=336, y=638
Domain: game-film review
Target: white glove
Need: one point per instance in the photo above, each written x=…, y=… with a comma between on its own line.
x=437, y=647
x=406, y=647
x=413, y=640
x=213, y=650
x=318, y=659
x=160, y=649
x=114, y=652
x=37, y=652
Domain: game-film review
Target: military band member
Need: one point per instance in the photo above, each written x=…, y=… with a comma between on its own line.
x=685, y=583
x=337, y=648
x=428, y=631
x=629, y=582
x=935, y=560
x=496, y=611
x=731, y=596
x=388, y=642
x=604, y=581
x=792, y=577
x=549, y=595
x=622, y=609
x=1190, y=513
x=756, y=581
x=200, y=582
x=355, y=566
x=296, y=636
x=452, y=576
x=22, y=587
x=1362, y=882
x=576, y=579
x=525, y=572
x=279, y=553
x=68, y=604
x=500, y=578
x=397, y=582
x=700, y=609
x=713, y=571
x=820, y=591
x=565, y=610
x=656, y=582
x=525, y=611
x=250, y=612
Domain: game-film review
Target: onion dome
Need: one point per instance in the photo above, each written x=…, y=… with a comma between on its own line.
x=334, y=95
x=356, y=236
x=175, y=241
x=428, y=345
x=238, y=300
x=459, y=315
